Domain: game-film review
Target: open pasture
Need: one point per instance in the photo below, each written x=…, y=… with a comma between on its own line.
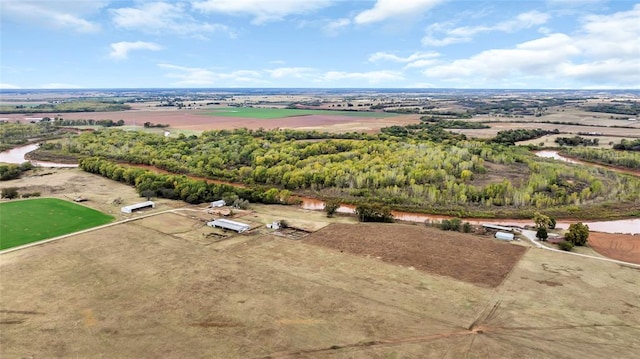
x=273, y=113
x=133, y=291
x=32, y=220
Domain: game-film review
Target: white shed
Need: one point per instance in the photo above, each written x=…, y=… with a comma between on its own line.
x=228, y=224
x=137, y=206
x=503, y=236
x=219, y=203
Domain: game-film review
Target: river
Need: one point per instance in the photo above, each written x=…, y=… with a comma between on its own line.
x=631, y=226
x=556, y=156
x=16, y=155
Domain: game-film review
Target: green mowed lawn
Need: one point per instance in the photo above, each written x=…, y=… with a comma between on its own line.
x=271, y=113
x=32, y=220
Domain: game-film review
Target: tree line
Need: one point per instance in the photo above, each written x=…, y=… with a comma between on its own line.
x=400, y=172
x=171, y=186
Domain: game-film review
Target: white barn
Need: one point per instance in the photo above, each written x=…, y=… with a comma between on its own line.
x=228, y=224
x=137, y=206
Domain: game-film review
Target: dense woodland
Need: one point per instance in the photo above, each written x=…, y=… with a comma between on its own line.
x=627, y=159
x=13, y=134
x=410, y=171
x=67, y=106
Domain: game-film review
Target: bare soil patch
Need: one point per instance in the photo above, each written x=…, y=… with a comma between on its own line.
x=515, y=173
x=200, y=121
x=480, y=261
x=624, y=247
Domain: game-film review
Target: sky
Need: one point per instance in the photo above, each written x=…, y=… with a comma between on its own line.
x=547, y=44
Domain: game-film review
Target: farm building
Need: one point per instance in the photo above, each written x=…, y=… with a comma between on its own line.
x=219, y=203
x=273, y=225
x=137, y=206
x=228, y=224
x=496, y=227
x=503, y=236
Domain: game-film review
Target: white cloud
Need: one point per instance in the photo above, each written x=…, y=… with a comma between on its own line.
x=372, y=77
x=8, y=86
x=465, y=33
x=538, y=57
x=163, y=17
x=385, y=56
x=616, y=35
x=120, y=50
x=59, y=14
x=334, y=27
x=604, y=52
x=421, y=63
x=262, y=10
x=385, y=9
x=297, y=72
x=195, y=76
x=59, y=85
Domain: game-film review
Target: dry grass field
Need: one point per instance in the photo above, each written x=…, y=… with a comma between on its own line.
x=168, y=286
x=135, y=291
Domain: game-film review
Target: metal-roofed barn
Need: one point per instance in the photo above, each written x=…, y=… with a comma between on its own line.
x=137, y=206
x=229, y=224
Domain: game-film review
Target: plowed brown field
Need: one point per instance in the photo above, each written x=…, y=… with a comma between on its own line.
x=624, y=247
x=481, y=261
x=200, y=121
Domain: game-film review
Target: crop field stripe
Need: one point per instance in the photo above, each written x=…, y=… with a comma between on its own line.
x=273, y=113
x=27, y=221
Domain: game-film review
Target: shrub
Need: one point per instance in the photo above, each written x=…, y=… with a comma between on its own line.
x=565, y=246
x=331, y=206
x=542, y=234
x=10, y=192
x=578, y=234
x=466, y=227
x=445, y=225
x=373, y=213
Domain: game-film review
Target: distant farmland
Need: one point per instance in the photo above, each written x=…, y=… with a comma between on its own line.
x=273, y=113
x=37, y=219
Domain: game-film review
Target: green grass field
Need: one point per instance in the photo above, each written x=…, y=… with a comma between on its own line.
x=271, y=113
x=32, y=220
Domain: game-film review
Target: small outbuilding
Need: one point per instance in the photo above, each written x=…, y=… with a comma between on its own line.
x=497, y=227
x=503, y=236
x=273, y=225
x=137, y=206
x=219, y=203
x=229, y=224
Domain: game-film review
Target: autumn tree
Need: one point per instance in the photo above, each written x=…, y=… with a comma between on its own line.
x=541, y=220
x=578, y=234
x=331, y=206
x=373, y=213
x=542, y=234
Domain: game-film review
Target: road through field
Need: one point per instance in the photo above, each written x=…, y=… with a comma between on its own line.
x=531, y=236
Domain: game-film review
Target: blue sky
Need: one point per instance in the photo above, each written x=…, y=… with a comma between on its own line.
x=572, y=44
